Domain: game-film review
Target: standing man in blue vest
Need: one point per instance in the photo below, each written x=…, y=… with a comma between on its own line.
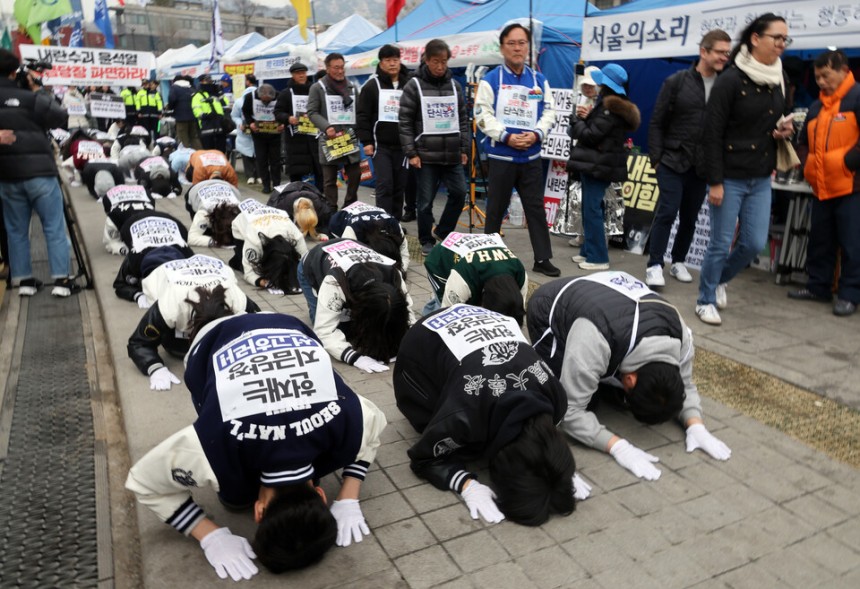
x=515, y=110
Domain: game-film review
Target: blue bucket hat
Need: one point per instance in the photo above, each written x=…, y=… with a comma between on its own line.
x=612, y=76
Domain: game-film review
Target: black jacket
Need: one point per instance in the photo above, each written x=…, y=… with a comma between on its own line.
x=301, y=149
x=286, y=198
x=179, y=103
x=30, y=115
x=88, y=174
x=600, y=150
x=369, y=130
x=454, y=406
x=740, y=119
x=433, y=149
x=677, y=123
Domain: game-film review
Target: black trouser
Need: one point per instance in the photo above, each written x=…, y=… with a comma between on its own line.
x=213, y=140
x=353, y=179
x=410, y=191
x=267, y=152
x=834, y=228
x=681, y=195
x=317, y=172
x=390, y=179
x=527, y=178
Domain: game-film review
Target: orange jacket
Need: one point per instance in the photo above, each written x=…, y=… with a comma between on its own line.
x=832, y=133
x=206, y=162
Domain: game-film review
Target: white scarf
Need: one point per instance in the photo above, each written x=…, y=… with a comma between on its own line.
x=766, y=75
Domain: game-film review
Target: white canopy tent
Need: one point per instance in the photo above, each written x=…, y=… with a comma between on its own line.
x=347, y=33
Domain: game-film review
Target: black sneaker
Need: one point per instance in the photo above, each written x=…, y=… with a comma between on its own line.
x=843, y=308
x=426, y=248
x=29, y=286
x=408, y=217
x=545, y=267
x=804, y=294
x=65, y=287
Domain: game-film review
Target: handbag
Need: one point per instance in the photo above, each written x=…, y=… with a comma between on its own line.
x=786, y=157
x=228, y=125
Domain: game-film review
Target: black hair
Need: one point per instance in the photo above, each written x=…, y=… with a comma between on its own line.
x=758, y=27
x=533, y=475
x=332, y=57
x=221, y=223
x=160, y=185
x=514, y=25
x=8, y=62
x=435, y=48
x=296, y=530
x=502, y=294
x=658, y=395
x=211, y=305
x=251, y=78
x=388, y=50
x=380, y=238
x=278, y=264
x=835, y=59
x=379, y=314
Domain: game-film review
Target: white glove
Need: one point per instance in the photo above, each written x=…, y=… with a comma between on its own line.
x=480, y=501
x=350, y=521
x=369, y=365
x=274, y=291
x=581, y=489
x=698, y=436
x=635, y=460
x=160, y=379
x=229, y=554
x=143, y=301
x=157, y=196
x=171, y=195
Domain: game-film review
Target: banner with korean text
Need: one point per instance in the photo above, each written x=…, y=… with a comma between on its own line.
x=75, y=66
x=677, y=30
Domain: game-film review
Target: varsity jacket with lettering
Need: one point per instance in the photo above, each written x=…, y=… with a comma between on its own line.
x=451, y=403
x=461, y=279
x=332, y=319
x=589, y=339
x=238, y=455
x=497, y=134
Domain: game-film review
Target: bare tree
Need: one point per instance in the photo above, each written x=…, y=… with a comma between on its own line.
x=246, y=9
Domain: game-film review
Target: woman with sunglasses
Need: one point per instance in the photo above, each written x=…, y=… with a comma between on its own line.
x=743, y=123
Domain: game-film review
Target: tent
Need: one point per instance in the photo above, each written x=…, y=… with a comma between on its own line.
x=278, y=43
x=652, y=39
x=347, y=33
x=196, y=63
x=561, y=35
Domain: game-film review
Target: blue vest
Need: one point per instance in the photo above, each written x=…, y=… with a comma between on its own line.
x=531, y=79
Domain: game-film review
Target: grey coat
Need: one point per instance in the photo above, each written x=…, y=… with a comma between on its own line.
x=318, y=113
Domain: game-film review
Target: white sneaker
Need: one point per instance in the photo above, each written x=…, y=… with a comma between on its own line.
x=250, y=180
x=578, y=259
x=722, y=301
x=654, y=276
x=575, y=242
x=594, y=266
x=680, y=272
x=709, y=314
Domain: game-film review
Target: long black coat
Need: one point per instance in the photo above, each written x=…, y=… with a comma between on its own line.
x=301, y=149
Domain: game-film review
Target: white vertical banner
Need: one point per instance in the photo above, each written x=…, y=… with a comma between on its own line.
x=216, y=37
x=677, y=30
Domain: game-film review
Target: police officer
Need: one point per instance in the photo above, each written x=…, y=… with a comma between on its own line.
x=209, y=111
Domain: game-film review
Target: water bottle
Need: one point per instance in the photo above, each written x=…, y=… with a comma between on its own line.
x=515, y=210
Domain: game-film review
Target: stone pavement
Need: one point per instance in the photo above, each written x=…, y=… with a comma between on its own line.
x=777, y=514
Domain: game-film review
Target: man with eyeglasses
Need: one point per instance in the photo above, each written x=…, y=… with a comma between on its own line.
x=676, y=151
x=515, y=111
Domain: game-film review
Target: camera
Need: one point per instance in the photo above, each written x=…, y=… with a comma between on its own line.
x=31, y=65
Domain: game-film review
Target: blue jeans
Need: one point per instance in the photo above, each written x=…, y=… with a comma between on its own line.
x=20, y=199
x=428, y=178
x=594, y=247
x=746, y=204
x=681, y=196
x=308, y=291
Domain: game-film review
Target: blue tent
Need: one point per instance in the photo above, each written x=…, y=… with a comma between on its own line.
x=561, y=19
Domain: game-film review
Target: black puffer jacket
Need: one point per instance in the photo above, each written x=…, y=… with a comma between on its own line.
x=301, y=149
x=677, y=123
x=433, y=149
x=286, y=199
x=29, y=115
x=369, y=130
x=740, y=119
x=600, y=151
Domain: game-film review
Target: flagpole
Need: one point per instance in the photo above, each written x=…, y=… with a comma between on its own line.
x=314, y=21
x=531, y=36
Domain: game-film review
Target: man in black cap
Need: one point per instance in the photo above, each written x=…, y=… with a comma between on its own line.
x=291, y=110
x=379, y=131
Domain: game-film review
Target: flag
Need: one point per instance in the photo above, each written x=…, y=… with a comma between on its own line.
x=216, y=37
x=102, y=21
x=6, y=42
x=392, y=9
x=303, y=13
x=47, y=33
x=22, y=15
x=45, y=10
x=77, y=37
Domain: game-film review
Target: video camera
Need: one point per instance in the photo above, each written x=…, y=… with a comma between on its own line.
x=31, y=66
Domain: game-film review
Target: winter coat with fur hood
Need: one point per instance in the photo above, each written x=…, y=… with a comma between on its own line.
x=599, y=150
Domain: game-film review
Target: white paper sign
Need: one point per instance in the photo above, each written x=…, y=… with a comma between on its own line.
x=198, y=270
x=215, y=160
x=91, y=150
x=337, y=113
x=556, y=145
x=359, y=208
x=153, y=162
x=465, y=243
x=154, y=232
x=345, y=254
x=106, y=106
x=126, y=193
x=267, y=371
x=212, y=195
x=389, y=105
x=80, y=66
x=466, y=329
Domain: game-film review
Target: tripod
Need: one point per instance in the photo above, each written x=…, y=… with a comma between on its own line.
x=74, y=237
x=475, y=168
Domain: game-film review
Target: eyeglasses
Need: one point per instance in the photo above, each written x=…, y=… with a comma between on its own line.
x=779, y=39
x=723, y=53
x=516, y=43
